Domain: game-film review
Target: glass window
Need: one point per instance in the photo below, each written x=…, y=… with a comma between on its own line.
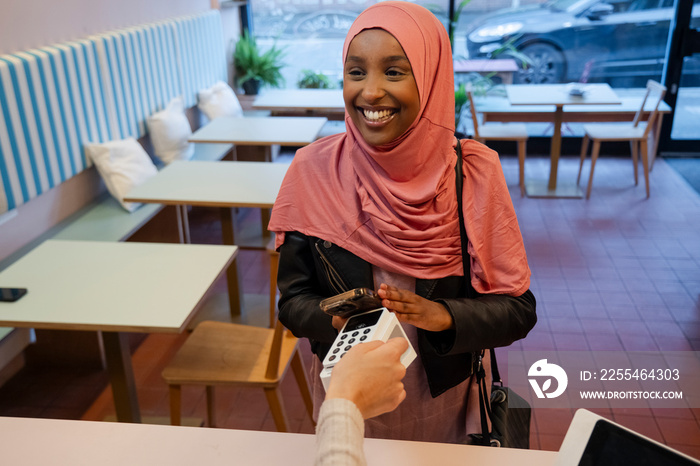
x=313, y=31
x=687, y=114
x=621, y=42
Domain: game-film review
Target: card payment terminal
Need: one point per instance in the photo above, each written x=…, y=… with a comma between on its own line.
x=378, y=324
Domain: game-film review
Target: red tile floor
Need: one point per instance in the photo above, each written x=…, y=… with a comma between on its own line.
x=616, y=272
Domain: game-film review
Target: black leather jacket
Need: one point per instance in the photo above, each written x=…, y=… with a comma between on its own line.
x=311, y=269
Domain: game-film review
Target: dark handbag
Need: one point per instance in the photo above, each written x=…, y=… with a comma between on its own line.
x=510, y=414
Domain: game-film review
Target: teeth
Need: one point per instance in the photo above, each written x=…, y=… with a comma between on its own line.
x=377, y=115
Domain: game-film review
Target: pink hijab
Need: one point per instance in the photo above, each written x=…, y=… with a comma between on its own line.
x=393, y=205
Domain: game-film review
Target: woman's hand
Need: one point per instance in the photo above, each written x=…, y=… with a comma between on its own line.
x=338, y=322
x=415, y=310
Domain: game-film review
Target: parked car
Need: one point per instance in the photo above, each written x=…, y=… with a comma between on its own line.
x=618, y=41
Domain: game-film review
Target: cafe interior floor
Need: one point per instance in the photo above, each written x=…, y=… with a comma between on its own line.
x=618, y=272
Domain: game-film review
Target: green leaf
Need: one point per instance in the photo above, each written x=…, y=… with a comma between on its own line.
x=249, y=63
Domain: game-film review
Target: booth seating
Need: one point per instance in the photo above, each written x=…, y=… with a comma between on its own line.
x=57, y=98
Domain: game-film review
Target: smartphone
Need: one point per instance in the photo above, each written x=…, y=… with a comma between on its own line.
x=351, y=302
x=9, y=295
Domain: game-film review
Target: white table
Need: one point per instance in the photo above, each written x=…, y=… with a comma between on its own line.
x=223, y=184
x=58, y=442
x=558, y=96
x=307, y=101
x=264, y=132
x=113, y=287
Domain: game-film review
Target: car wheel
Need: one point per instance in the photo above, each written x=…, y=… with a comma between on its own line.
x=547, y=65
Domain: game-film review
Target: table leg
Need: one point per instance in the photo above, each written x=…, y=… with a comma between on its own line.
x=265, y=220
x=121, y=376
x=183, y=224
x=180, y=227
x=535, y=189
x=555, y=150
x=227, y=229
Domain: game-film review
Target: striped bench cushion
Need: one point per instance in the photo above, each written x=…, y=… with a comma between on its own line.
x=56, y=98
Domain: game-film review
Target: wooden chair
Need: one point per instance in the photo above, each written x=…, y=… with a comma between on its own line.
x=637, y=134
x=502, y=132
x=222, y=353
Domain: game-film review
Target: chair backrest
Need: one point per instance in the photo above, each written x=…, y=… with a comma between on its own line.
x=657, y=91
x=472, y=109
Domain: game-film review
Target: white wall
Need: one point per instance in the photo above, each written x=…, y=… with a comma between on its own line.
x=26, y=24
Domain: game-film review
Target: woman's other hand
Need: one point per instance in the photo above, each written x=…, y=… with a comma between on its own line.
x=415, y=310
x=338, y=322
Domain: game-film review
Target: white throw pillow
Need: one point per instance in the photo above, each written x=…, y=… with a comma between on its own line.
x=219, y=100
x=170, y=130
x=122, y=165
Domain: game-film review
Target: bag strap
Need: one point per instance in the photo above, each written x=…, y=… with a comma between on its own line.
x=484, y=404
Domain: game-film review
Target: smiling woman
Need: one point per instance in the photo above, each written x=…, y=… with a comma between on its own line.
x=379, y=89
x=385, y=217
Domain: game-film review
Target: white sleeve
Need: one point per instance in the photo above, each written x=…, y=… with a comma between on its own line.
x=340, y=434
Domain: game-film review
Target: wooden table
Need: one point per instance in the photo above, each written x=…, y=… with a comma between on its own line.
x=53, y=441
x=263, y=132
x=226, y=185
x=494, y=108
x=558, y=96
x=113, y=287
x=325, y=102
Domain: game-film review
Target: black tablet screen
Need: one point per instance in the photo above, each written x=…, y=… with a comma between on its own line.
x=610, y=445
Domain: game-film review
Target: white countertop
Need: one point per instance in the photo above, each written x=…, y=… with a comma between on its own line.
x=57, y=442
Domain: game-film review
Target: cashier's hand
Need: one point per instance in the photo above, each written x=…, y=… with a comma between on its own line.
x=414, y=309
x=370, y=376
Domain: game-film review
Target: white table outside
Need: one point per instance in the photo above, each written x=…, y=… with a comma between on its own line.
x=503, y=68
x=113, y=287
x=558, y=95
x=222, y=184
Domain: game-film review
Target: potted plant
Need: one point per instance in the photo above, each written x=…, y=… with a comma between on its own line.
x=312, y=80
x=254, y=68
